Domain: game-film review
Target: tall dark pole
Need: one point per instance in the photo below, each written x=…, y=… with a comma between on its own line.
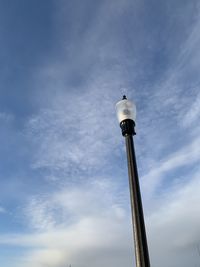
x=139, y=232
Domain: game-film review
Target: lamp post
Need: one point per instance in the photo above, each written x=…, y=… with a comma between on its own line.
x=126, y=113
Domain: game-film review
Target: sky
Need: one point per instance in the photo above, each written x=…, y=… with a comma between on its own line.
x=64, y=194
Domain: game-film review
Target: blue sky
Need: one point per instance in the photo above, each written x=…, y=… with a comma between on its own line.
x=64, y=195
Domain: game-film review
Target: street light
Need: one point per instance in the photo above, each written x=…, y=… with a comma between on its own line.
x=126, y=113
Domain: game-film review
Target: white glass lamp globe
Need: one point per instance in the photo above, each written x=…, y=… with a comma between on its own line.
x=125, y=109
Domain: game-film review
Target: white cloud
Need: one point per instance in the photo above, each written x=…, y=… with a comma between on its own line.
x=193, y=114
x=72, y=135
x=174, y=226
x=186, y=156
x=83, y=225
x=91, y=229
x=69, y=205
x=2, y=209
x=6, y=117
x=75, y=134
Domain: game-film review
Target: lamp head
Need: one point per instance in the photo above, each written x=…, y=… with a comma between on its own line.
x=125, y=110
x=126, y=114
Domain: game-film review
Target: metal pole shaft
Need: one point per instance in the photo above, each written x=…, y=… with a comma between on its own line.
x=139, y=233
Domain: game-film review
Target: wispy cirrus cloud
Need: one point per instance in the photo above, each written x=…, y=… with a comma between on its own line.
x=61, y=144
